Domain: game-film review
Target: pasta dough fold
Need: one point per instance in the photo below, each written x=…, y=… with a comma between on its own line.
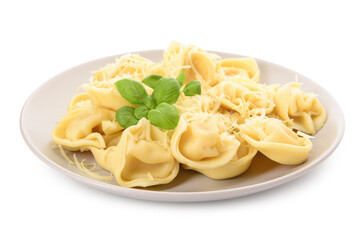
x=238, y=165
x=79, y=101
x=276, y=141
x=105, y=95
x=143, y=158
x=82, y=127
x=197, y=104
x=244, y=68
x=302, y=111
x=198, y=142
x=202, y=68
x=103, y=156
x=219, y=131
x=174, y=60
x=244, y=96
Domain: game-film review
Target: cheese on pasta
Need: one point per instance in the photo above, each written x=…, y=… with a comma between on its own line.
x=218, y=134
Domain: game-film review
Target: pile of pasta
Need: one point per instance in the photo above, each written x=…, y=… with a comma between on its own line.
x=219, y=131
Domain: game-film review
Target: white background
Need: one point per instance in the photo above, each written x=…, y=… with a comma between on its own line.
x=40, y=39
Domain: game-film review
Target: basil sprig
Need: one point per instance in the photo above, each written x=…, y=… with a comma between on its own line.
x=192, y=88
x=133, y=91
x=125, y=116
x=151, y=80
x=157, y=107
x=164, y=115
x=181, y=78
x=166, y=90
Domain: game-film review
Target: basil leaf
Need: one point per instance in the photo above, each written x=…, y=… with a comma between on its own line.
x=141, y=112
x=192, y=88
x=133, y=91
x=181, y=78
x=125, y=116
x=151, y=80
x=149, y=102
x=166, y=90
x=165, y=116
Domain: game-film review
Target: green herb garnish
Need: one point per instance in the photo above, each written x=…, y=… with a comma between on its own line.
x=151, y=80
x=166, y=90
x=181, y=78
x=164, y=115
x=192, y=88
x=157, y=107
x=141, y=112
x=133, y=91
x=125, y=116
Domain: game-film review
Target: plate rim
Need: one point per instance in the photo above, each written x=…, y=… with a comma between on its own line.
x=183, y=196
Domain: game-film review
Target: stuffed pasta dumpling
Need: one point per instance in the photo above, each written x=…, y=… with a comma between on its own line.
x=244, y=96
x=174, y=59
x=202, y=67
x=82, y=127
x=105, y=95
x=302, y=111
x=245, y=68
x=79, y=101
x=143, y=157
x=199, y=143
x=276, y=141
x=238, y=165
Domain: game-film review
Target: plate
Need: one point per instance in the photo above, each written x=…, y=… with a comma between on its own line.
x=49, y=102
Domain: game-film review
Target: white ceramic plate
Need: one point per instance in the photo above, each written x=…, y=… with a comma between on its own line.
x=49, y=102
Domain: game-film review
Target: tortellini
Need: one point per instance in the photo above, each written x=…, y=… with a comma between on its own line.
x=197, y=64
x=105, y=95
x=244, y=68
x=276, y=141
x=143, y=158
x=244, y=96
x=236, y=166
x=174, y=59
x=79, y=101
x=199, y=143
x=219, y=131
x=202, y=68
x=302, y=111
x=83, y=127
x=203, y=143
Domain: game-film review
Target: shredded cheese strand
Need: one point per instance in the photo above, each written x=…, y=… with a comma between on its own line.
x=83, y=166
